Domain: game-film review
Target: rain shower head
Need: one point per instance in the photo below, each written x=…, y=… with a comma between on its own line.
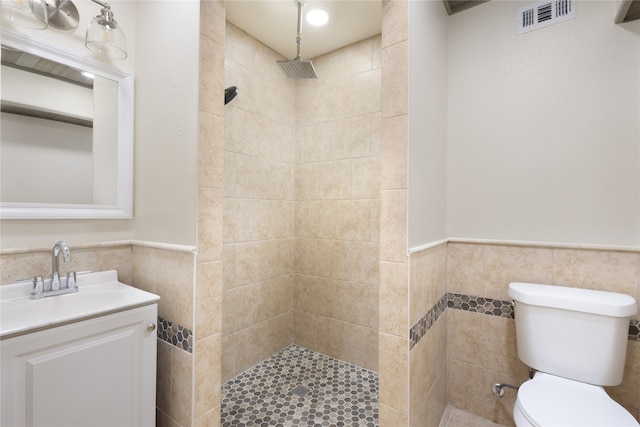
x=298, y=68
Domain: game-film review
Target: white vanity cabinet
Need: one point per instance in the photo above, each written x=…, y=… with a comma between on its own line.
x=95, y=372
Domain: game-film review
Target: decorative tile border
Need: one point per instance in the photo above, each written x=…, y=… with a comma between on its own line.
x=175, y=334
x=425, y=323
x=489, y=306
x=634, y=330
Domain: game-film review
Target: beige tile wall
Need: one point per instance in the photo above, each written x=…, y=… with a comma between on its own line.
x=393, y=340
x=337, y=193
x=207, y=299
x=169, y=274
x=258, y=218
x=428, y=359
x=482, y=348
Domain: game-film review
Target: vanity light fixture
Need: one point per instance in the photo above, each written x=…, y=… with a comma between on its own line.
x=30, y=14
x=104, y=35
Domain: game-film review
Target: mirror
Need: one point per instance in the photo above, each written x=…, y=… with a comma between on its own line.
x=66, y=137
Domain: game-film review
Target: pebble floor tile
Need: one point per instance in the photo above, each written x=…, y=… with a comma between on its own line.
x=298, y=387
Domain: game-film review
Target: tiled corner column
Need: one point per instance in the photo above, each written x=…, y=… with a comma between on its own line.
x=393, y=340
x=208, y=284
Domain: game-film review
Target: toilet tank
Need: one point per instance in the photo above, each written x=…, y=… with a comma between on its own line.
x=579, y=334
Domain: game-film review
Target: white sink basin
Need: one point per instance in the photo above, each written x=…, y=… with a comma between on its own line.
x=99, y=293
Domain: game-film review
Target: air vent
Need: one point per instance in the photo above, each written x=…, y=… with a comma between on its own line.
x=544, y=13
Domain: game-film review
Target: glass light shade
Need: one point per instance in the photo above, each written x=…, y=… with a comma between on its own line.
x=105, y=37
x=30, y=14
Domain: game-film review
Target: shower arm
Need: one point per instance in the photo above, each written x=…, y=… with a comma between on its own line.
x=300, y=4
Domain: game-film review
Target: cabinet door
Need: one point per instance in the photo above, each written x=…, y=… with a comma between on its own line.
x=98, y=372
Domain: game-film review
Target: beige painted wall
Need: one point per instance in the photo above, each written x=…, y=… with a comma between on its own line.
x=543, y=128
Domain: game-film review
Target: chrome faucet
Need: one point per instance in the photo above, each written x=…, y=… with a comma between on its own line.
x=61, y=246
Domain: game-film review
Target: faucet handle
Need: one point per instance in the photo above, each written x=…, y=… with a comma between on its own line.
x=38, y=285
x=72, y=280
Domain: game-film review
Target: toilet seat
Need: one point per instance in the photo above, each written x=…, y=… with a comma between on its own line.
x=547, y=401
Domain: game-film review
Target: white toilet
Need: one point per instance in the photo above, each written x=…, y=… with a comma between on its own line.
x=576, y=340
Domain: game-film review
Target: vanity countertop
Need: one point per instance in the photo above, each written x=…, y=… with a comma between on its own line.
x=99, y=293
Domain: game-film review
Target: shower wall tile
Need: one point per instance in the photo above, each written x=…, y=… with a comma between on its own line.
x=208, y=299
x=212, y=20
x=257, y=178
x=393, y=301
x=349, y=342
x=265, y=94
x=271, y=298
x=305, y=329
x=348, y=261
x=239, y=46
x=324, y=180
x=365, y=178
x=210, y=202
x=376, y=132
x=394, y=372
x=393, y=148
x=210, y=419
x=207, y=374
x=255, y=219
x=210, y=151
x=260, y=260
x=395, y=28
x=393, y=230
x=356, y=58
x=336, y=219
x=395, y=80
x=236, y=313
x=252, y=345
x=360, y=94
x=346, y=138
x=212, y=56
x=265, y=138
x=349, y=302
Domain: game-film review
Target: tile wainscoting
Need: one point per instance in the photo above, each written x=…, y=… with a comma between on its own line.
x=482, y=305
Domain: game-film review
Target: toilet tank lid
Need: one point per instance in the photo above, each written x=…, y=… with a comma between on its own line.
x=576, y=299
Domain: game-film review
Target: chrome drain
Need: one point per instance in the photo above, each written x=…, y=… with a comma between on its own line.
x=300, y=391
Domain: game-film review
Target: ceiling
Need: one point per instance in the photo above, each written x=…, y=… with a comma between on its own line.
x=274, y=22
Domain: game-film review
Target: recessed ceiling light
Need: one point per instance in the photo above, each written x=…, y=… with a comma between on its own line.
x=317, y=17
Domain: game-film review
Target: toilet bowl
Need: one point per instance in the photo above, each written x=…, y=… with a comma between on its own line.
x=551, y=401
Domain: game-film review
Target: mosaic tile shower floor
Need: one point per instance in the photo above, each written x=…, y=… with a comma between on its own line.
x=298, y=387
